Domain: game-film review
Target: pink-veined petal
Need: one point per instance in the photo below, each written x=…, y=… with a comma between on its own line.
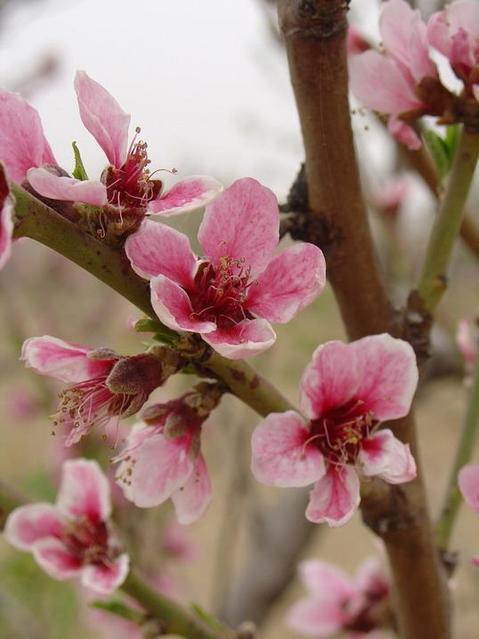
x=335, y=497
x=404, y=133
x=314, y=617
x=325, y=581
x=84, y=490
x=162, y=467
x=291, y=281
x=156, y=249
x=173, y=307
x=281, y=455
x=248, y=338
x=468, y=480
x=103, y=117
x=387, y=374
x=27, y=524
x=67, y=188
x=105, y=579
x=62, y=360
x=330, y=380
x=22, y=141
x=55, y=559
x=191, y=193
x=192, y=499
x=6, y=219
x=241, y=223
x=383, y=455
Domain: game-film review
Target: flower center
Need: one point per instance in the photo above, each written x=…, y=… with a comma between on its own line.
x=221, y=291
x=89, y=541
x=340, y=431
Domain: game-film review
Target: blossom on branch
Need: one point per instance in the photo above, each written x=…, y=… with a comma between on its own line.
x=346, y=392
x=232, y=294
x=336, y=603
x=73, y=538
x=6, y=221
x=468, y=481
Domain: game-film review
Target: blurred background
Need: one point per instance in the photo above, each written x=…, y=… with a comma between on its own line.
x=208, y=85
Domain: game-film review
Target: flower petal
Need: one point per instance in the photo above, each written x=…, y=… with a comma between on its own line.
x=248, y=338
x=404, y=133
x=67, y=188
x=387, y=373
x=6, y=219
x=56, y=560
x=371, y=578
x=335, y=497
x=156, y=249
x=242, y=223
x=331, y=379
x=173, y=307
x=103, y=117
x=191, y=193
x=106, y=579
x=162, y=467
x=313, y=617
x=325, y=581
x=384, y=455
x=468, y=480
x=22, y=141
x=291, y=281
x=192, y=499
x=84, y=490
x=281, y=455
x=27, y=524
x=62, y=360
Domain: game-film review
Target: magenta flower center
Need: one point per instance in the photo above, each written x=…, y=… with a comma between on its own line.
x=88, y=541
x=339, y=432
x=220, y=292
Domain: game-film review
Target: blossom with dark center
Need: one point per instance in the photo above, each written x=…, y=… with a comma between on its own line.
x=232, y=294
x=346, y=392
x=73, y=538
x=102, y=385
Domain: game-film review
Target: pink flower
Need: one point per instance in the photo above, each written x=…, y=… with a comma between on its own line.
x=336, y=603
x=454, y=32
x=90, y=398
x=230, y=296
x=162, y=459
x=356, y=42
x=467, y=338
x=126, y=183
x=391, y=195
x=6, y=219
x=387, y=82
x=72, y=538
x=346, y=391
x=468, y=481
x=177, y=544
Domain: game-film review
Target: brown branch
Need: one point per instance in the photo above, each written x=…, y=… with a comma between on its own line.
x=315, y=33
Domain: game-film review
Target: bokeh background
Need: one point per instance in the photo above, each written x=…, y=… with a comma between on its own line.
x=208, y=84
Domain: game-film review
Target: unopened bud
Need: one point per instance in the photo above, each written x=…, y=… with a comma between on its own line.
x=141, y=373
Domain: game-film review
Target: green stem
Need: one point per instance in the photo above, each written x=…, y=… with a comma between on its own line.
x=453, y=498
x=41, y=223
x=432, y=282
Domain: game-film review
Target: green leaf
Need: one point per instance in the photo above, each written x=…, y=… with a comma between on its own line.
x=79, y=171
x=161, y=333
x=120, y=609
x=452, y=138
x=439, y=151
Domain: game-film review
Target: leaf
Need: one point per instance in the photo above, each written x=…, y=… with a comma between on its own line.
x=452, y=138
x=439, y=152
x=79, y=171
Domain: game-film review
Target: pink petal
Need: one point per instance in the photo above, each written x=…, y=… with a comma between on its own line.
x=22, y=142
x=313, y=617
x=243, y=224
x=281, y=454
x=404, y=133
x=371, y=577
x=6, y=220
x=291, y=281
x=27, y=524
x=103, y=117
x=106, y=579
x=67, y=188
x=384, y=455
x=334, y=498
x=162, y=467
x=62, y=360
x=84, y=490
x=438, y=33
x=189, y=194
x=377, y=82
x=55, y=559
x=173, y=307
x=325, y=581
x=330, y=380
x=387, y=373
x=248, y=338
x=192, y=499
x=156, y=249
x=468, y=480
